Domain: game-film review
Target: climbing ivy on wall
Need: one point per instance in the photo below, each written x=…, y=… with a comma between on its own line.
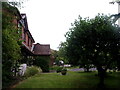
x=11, y=52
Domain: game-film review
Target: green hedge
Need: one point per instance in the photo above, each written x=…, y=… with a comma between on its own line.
x=42, y=62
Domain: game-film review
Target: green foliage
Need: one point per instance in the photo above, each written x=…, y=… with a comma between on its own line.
x=54, y=53
x=92, y=40
x=10, y=48
x=42, y=62
x=18, y=4
x=32, y=71
x=59, y=69
x=62, y=52
x=54, y=68
x=64, y=69
x=85, y=63
x=95, y=41
x=116, y=17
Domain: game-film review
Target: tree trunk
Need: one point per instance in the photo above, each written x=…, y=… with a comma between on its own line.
x=101, y=74
x=119, y=67
x=87, y=69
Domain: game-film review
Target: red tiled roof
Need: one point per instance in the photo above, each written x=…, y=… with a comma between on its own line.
x=41, y=49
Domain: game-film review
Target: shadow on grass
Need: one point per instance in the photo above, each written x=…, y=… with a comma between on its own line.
x=91, y=80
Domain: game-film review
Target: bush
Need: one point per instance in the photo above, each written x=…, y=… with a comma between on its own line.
x=42, y=62
x=32, y=71
x=59, y=69
x=64, y=69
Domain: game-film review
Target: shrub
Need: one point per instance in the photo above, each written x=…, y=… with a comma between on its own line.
x=32, y=71
x=59, y=69
x=64, y=69
x=42, y=62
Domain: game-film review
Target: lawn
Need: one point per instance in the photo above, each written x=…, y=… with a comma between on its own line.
x=71, y=80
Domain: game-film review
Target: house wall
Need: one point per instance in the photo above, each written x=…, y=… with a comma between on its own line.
x=22, y=33
x=29, y=43
x=27, y=40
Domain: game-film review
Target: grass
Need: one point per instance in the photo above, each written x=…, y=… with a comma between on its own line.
x=113, y=80
x=71, y=80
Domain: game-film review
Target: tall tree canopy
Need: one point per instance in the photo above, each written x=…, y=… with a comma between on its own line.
x=93, y=40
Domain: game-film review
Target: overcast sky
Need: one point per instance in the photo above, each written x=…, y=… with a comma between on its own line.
x=49, y=20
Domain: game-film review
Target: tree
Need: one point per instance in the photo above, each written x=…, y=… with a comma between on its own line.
x=62, y=52
x=93, y=40
x=116, y=17
x=115, y=1
x=17, y=3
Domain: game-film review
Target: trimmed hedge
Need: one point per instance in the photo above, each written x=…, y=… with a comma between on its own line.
x=42, y=62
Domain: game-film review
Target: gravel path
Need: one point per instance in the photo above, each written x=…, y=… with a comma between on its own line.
x=82, y=69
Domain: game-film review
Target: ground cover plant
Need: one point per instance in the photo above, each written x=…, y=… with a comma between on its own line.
x=32, y=71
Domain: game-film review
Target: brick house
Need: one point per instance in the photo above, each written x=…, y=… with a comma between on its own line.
x=28, y=48
x=28, y=40
x=41, y=49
